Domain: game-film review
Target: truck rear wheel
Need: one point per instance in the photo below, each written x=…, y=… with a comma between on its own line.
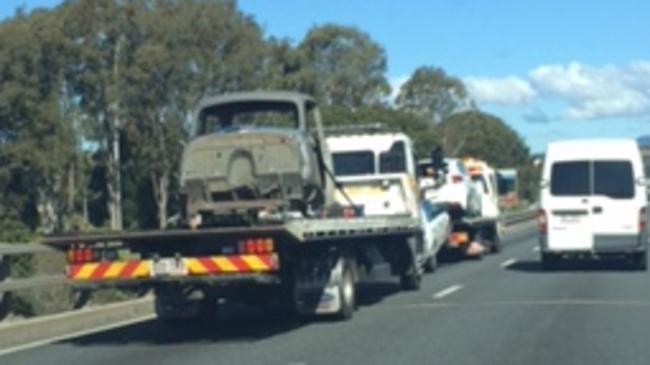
x=640, y=261
x=180, y=312
x=431, y=264
x=550, y=261
x=347, y=291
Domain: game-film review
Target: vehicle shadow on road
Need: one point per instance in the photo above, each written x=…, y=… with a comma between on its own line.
x=234, y=323
x=575, y=265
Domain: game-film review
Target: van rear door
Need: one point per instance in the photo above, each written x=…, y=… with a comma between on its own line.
x=614, y=209
x=569, y=209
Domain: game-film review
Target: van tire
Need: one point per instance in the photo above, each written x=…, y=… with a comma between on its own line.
x=550, y=261
x=640, y=261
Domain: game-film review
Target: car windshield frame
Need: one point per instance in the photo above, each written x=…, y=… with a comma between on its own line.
x=352, y=167
x=228, y=117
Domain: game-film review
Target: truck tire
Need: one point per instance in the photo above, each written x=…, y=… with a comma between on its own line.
x=549, y=261
x=347, y=290
x=640, y=261
x=411, y=280
x=431, y=264
x=206, y=312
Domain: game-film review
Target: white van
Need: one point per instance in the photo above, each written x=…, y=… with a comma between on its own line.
x=593, y=201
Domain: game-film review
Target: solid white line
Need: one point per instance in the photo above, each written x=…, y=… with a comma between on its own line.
x=508, y=262
x=444, y=292
x=68, y=336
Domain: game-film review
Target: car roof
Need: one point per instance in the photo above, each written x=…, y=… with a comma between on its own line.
x=253, y=96
x=377, y=142
x=591, y=149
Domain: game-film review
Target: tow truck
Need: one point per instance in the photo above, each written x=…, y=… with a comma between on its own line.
x=471, y=236
x=261, y=224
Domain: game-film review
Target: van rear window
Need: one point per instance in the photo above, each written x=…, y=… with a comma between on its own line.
x=613, y=179
x=570, y=178
x=582, y=178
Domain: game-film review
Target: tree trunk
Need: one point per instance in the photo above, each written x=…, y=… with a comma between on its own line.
x=161, y=194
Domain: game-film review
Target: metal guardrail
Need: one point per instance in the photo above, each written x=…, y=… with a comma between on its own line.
x=8, y=284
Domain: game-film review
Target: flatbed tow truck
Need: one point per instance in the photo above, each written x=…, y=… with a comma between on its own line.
x=312, y=265
x=261, y=225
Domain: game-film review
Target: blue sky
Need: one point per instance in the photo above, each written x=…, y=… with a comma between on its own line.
x=552, y=69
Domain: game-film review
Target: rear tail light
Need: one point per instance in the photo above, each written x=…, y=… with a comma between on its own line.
x=456, y=179
x=542, y=222
x=256, y=246
x=642, y=220
x=458, y=237
x=81, y=254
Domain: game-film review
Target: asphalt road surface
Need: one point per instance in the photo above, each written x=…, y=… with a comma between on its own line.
x=499, y=310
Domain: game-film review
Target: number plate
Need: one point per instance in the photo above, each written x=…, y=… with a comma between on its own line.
x=168, y=267
x=570, y=220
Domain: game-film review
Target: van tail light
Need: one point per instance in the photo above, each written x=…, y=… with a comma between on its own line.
x=456, y=179
x=542, y=222
x=643, y=222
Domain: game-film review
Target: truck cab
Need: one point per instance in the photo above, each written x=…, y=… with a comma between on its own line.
x=484, y=179
x=376, y=171
x=254, y=155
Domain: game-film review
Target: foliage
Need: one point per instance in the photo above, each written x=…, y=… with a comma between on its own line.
x=344, y=66
x=411, y=124
x=433, y=94
x=484, y=136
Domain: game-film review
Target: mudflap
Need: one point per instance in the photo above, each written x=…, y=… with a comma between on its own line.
x=318, y=282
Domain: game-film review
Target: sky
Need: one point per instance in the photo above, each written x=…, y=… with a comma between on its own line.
x=551, y=69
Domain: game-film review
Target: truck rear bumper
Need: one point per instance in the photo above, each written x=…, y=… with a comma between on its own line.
x=225, y=279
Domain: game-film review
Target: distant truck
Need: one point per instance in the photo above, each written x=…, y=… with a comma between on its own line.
x=476, y=225
x=262, y=224
x=377, y=171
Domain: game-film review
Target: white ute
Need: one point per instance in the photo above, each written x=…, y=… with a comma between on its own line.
x=593, y=201
x=455, y=188
x=437, y=227
x=377, y=172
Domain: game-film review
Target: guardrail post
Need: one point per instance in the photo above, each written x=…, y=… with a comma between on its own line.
x=80, y=297
x=4, y=296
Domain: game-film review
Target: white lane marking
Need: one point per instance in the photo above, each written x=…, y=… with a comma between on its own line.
x=444, y=292
x=508, y=262
x=69, y=336
x=536, y=249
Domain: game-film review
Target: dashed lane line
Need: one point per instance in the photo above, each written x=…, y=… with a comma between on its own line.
x=447, y=291
x=508, y=262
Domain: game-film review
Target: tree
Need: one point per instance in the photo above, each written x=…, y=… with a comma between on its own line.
x=431, y=93
x=343, y=67
x=105, y=36
x=484, y=136
x=36, y=143
x=419, y=130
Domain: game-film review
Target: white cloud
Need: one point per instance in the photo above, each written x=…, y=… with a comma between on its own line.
x=510, y=90
x=596, y=92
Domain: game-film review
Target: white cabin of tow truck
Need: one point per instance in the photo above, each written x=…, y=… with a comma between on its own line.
x=485, y=179
x=376, y=172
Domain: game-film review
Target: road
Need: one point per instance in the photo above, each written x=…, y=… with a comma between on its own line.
x=498, y=310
